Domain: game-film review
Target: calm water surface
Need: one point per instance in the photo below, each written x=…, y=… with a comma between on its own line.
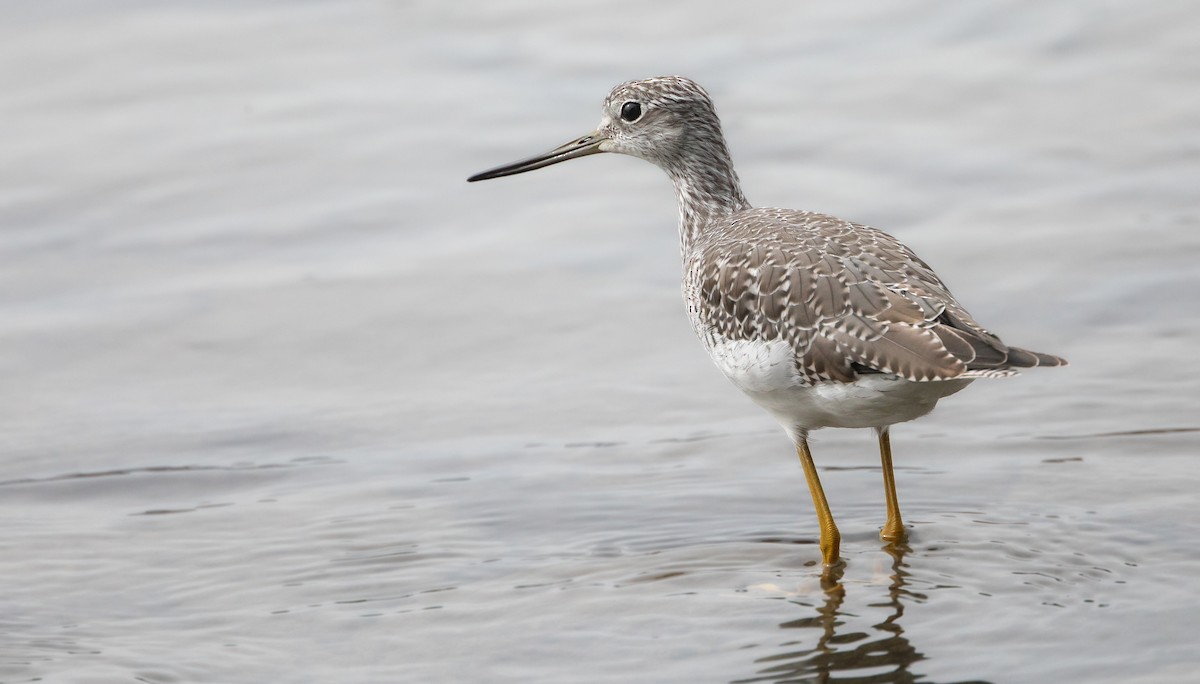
x=286, y=400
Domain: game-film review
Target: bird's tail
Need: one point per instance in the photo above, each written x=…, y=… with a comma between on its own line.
x=1023, y=358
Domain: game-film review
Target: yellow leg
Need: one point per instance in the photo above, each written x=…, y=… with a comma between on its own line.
x=893, y=531
x=831, y=539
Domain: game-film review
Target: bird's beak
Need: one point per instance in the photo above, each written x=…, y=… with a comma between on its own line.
x=579, y=147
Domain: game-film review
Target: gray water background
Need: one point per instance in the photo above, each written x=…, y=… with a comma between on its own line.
x=286, y=400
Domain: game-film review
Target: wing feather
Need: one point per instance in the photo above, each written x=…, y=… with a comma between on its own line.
x=848, y=298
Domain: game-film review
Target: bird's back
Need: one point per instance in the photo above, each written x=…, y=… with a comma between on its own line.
x=847, y=299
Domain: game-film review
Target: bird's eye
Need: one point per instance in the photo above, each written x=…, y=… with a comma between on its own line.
x=631, y=111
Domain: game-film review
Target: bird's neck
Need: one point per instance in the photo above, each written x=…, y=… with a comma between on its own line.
x=707, y=188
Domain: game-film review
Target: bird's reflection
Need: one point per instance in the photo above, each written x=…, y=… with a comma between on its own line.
x=881, y=656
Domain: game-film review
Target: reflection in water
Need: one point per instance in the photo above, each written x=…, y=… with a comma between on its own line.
x=856, y=657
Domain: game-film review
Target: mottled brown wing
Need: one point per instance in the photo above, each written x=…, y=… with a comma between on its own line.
x=848, y=298
x=957, y=331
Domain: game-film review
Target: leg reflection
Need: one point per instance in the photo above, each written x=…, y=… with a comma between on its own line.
x=852, y=646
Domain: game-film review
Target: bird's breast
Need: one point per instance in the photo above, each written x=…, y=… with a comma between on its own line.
x=755, y=365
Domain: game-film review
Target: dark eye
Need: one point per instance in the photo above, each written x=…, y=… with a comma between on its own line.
x=631, y=111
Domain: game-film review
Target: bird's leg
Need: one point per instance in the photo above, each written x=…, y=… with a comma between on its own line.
x=831, y=539
x=893, y=531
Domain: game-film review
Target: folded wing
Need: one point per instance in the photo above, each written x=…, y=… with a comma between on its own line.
x=848, y=298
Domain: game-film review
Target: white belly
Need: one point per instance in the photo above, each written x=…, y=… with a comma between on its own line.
x=766, y=372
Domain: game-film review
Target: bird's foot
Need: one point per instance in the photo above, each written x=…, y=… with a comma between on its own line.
x=893, y=532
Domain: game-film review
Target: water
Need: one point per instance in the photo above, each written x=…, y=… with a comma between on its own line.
x=287, y=400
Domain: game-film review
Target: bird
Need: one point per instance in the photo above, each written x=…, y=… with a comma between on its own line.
x=823, y=322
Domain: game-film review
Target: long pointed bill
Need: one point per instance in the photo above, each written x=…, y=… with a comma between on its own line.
x=579, y=147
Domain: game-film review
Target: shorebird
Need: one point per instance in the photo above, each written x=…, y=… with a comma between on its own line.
x=823, y=322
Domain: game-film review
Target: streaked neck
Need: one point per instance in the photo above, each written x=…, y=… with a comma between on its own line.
x=707, y=188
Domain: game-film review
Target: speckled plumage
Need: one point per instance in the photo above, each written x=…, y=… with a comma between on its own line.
x=823, y=322
x=848, y=299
